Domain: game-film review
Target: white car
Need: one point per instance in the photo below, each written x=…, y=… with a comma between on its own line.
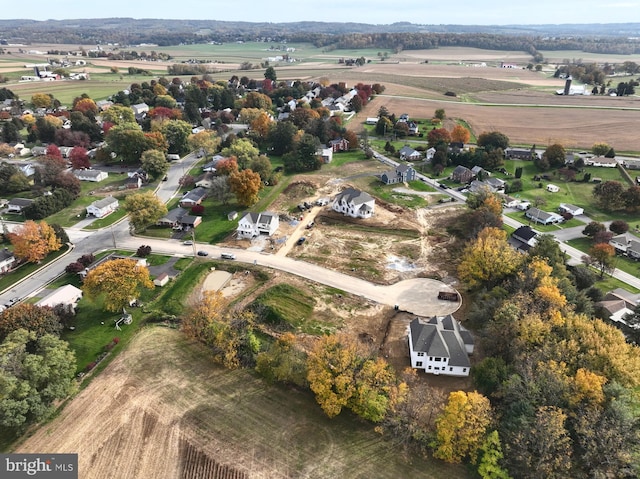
x=187, y=243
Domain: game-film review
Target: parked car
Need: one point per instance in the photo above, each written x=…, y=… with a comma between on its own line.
x=187, y=243
x=310, y=225
x=202, y=253
x=301, y=241
x=11, y=302
x=227, y=256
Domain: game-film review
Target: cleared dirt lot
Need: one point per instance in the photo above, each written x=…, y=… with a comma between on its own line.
x=162, y=410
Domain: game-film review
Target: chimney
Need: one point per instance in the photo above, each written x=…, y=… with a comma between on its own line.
x=567, y=86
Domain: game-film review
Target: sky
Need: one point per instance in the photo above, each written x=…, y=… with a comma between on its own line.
x=461, y=12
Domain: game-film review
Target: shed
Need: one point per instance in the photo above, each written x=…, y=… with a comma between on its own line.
x=552, y=188
x=161, y=280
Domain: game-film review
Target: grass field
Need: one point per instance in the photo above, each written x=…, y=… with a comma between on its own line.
x=161, y=404
x=621, y=262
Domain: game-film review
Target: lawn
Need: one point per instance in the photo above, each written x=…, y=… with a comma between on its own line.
x=621, y=262
x=8, y=280
x=519, y=216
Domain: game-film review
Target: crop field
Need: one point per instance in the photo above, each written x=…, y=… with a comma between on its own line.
x=162, y=410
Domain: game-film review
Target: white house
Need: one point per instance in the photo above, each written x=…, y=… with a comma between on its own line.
x=552, y=188
x=6, y=260
x=409, y=154
x=90, y=175
x=601, y=161
x=326, y=154
x=256, y=224
x=626, y=244
x=17, y=205
x=354, y=203
x=429, y=154
x=103, y=207
x=67, y=295
x=440, y=345
x=538, y=216
x=572, y=209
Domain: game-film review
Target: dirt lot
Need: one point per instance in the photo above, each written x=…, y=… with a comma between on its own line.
x=162, y=410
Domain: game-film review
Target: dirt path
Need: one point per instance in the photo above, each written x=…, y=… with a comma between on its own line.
x=308, y=217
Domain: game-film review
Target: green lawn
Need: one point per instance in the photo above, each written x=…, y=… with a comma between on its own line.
x=520, y=216
x=8, y=280
x=622, y=262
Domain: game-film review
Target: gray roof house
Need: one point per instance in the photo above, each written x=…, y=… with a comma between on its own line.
x=408, y=153
x=523, y=238
x=354, y=203
x=172, y=218
x=6, y=260
x=256, y=224
x=627, y=244
x=402, y=174
x=194, y=197
x=440, y=345
x=103, y=207
x=17, y=205
x=461, y=174
x=538, y=216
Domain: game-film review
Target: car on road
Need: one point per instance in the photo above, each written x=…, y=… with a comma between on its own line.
x=301, y=241
x=11, y=302
x=202, y=253
x=310, y=225
x=188, y=243
x=227, y=256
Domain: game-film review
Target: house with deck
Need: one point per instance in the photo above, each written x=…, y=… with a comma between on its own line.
x=354, y=203
x=440, y=345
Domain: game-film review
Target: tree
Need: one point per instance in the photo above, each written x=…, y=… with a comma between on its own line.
x=460, y=134
x=220, y=189
x=619, y=227
x=488, y=259
x=177, y=133
x=304, y=156
x=118, y=114
x=438, y=135
x=632, y=199
x=602, y=255
x=144, y=209
x=356, y=104
x=461, y=427
x=205, y=141
x=270, y=74
x=118, y=282
x=227, y=166
x=592, y=228
x=127, y=141
x=143, y=251
x=85, y=106
x=32, y=241
x=555, y=155
x=254, y=99
x=79, y=158
x=283, y=362
x=440, y=114
x=154, y=163
x=244, y=150
x=41, y=100
x=493, y=140
x=489, y=465
x=30, y=317
x=609, y=195
x=384, y=126
x=262, y=166
x=282, y=137
x=245, y=185
x=600, y=149
x=35, y=372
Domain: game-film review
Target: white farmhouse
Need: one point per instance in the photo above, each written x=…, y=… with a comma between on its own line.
x=90, y=175
x=440, y=345
x=354, y=203
x=68, y=296
x=256, y=224
x=103, y=207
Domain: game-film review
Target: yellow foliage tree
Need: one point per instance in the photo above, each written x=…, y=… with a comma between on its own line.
x=488, y=259
x=28, y=119
x=460, y=134
x=205, y=141
x=118, y=282
x=262, y=124
x=462, y=426
x=41, y=100
x=32, y=241
x=144, y=209
x=246, y=185
x=587, y=388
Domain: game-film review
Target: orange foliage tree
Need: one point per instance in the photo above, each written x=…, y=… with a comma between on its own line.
x=246, y=185
x=32, y=241
x=460, y=134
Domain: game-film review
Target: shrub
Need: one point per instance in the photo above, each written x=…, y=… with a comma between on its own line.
x=86, y=259
x=567, y=216
x=75, y=267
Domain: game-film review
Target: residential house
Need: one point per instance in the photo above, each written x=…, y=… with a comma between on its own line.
x=193, y=197
x=601, y=161
x=68, y=296
x=211, y=165
x=409, y=154
x=572, y=209
x=104, y=104
x=520, y=154
x=256, y=224
x=103, y=207
x=477, y=186
x=440, y=345
x=461, y=174
x=413, y=128
x=495, y=183
x=339, y=144
x=140, y=110
x=90, y=175
x=28, y=169
x=354, y=203
x=429, y=154
x=552, y=188
x=617, y=305
x=326, y=154
x=402, y=174
x=65, y=151
x=205, y=180
x=17, y=205
x=6, y=260
x=189, y=222
x=479, y=172
x=627, y=244
x=523, y=238
x=133, y=182
x=39, y=151
x=172, y=218
x=631, y=164
x=538, y=216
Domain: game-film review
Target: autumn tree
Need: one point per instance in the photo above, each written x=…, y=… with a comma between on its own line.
x=619, y=227
x=261, y=125
x=600, y=149
x=30, y=317
x=79, y=158
x=257, y=100
x=205, y=141
x=244, y=151
x=127, y=141
x=41, y=100
x=117, y=282
x=35, y=373
x=262, y=166
x=32, y=241
x=488, y=259
x=227, y=166
x=154, y=163
x=438, y=135
x=555, y=155
x=144, y=209
x=460, y=134
x=118, y=115
x=461, y=428
x=283, y=362
x=86, y=105
x=245, y=185
x=439, y=114
x=602, y=255
x=491, y=456
x=609, y=195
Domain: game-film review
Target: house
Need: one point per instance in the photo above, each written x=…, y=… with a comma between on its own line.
x=430, y=153
x=6, y=260
x=17, y=205
x=631, y=164
x=552, y=188
x=480, y=186
x=104, y=104
x=232, y=215
x=38, y=151
x=479, y=172
x=90, y=175
x=161, y=280
x=205, y=180
x=523, y=238
x=211, y=165
x=542, y=217
x=326, y=154
x=173, y=218
x=67, y=296
x=256, y=224
x=523, y=206
x=572, y=209
x=133, y=182
x=601, y=161
x=495, y=183
x=354, y=203
x=339, y=144
x=461, y=174
x=413, y=128
x=440, y=345
x=193, y=197
x=409, y=154
x=103, y=207
x=617, y=306
x=139, y=110
x=402, y=174
x=520, y=154
x=28, y=169
x=626, y=244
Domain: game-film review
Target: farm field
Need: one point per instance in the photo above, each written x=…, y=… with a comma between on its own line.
x=161, y=408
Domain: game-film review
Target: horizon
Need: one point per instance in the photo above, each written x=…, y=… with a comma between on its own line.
x=378, y=12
